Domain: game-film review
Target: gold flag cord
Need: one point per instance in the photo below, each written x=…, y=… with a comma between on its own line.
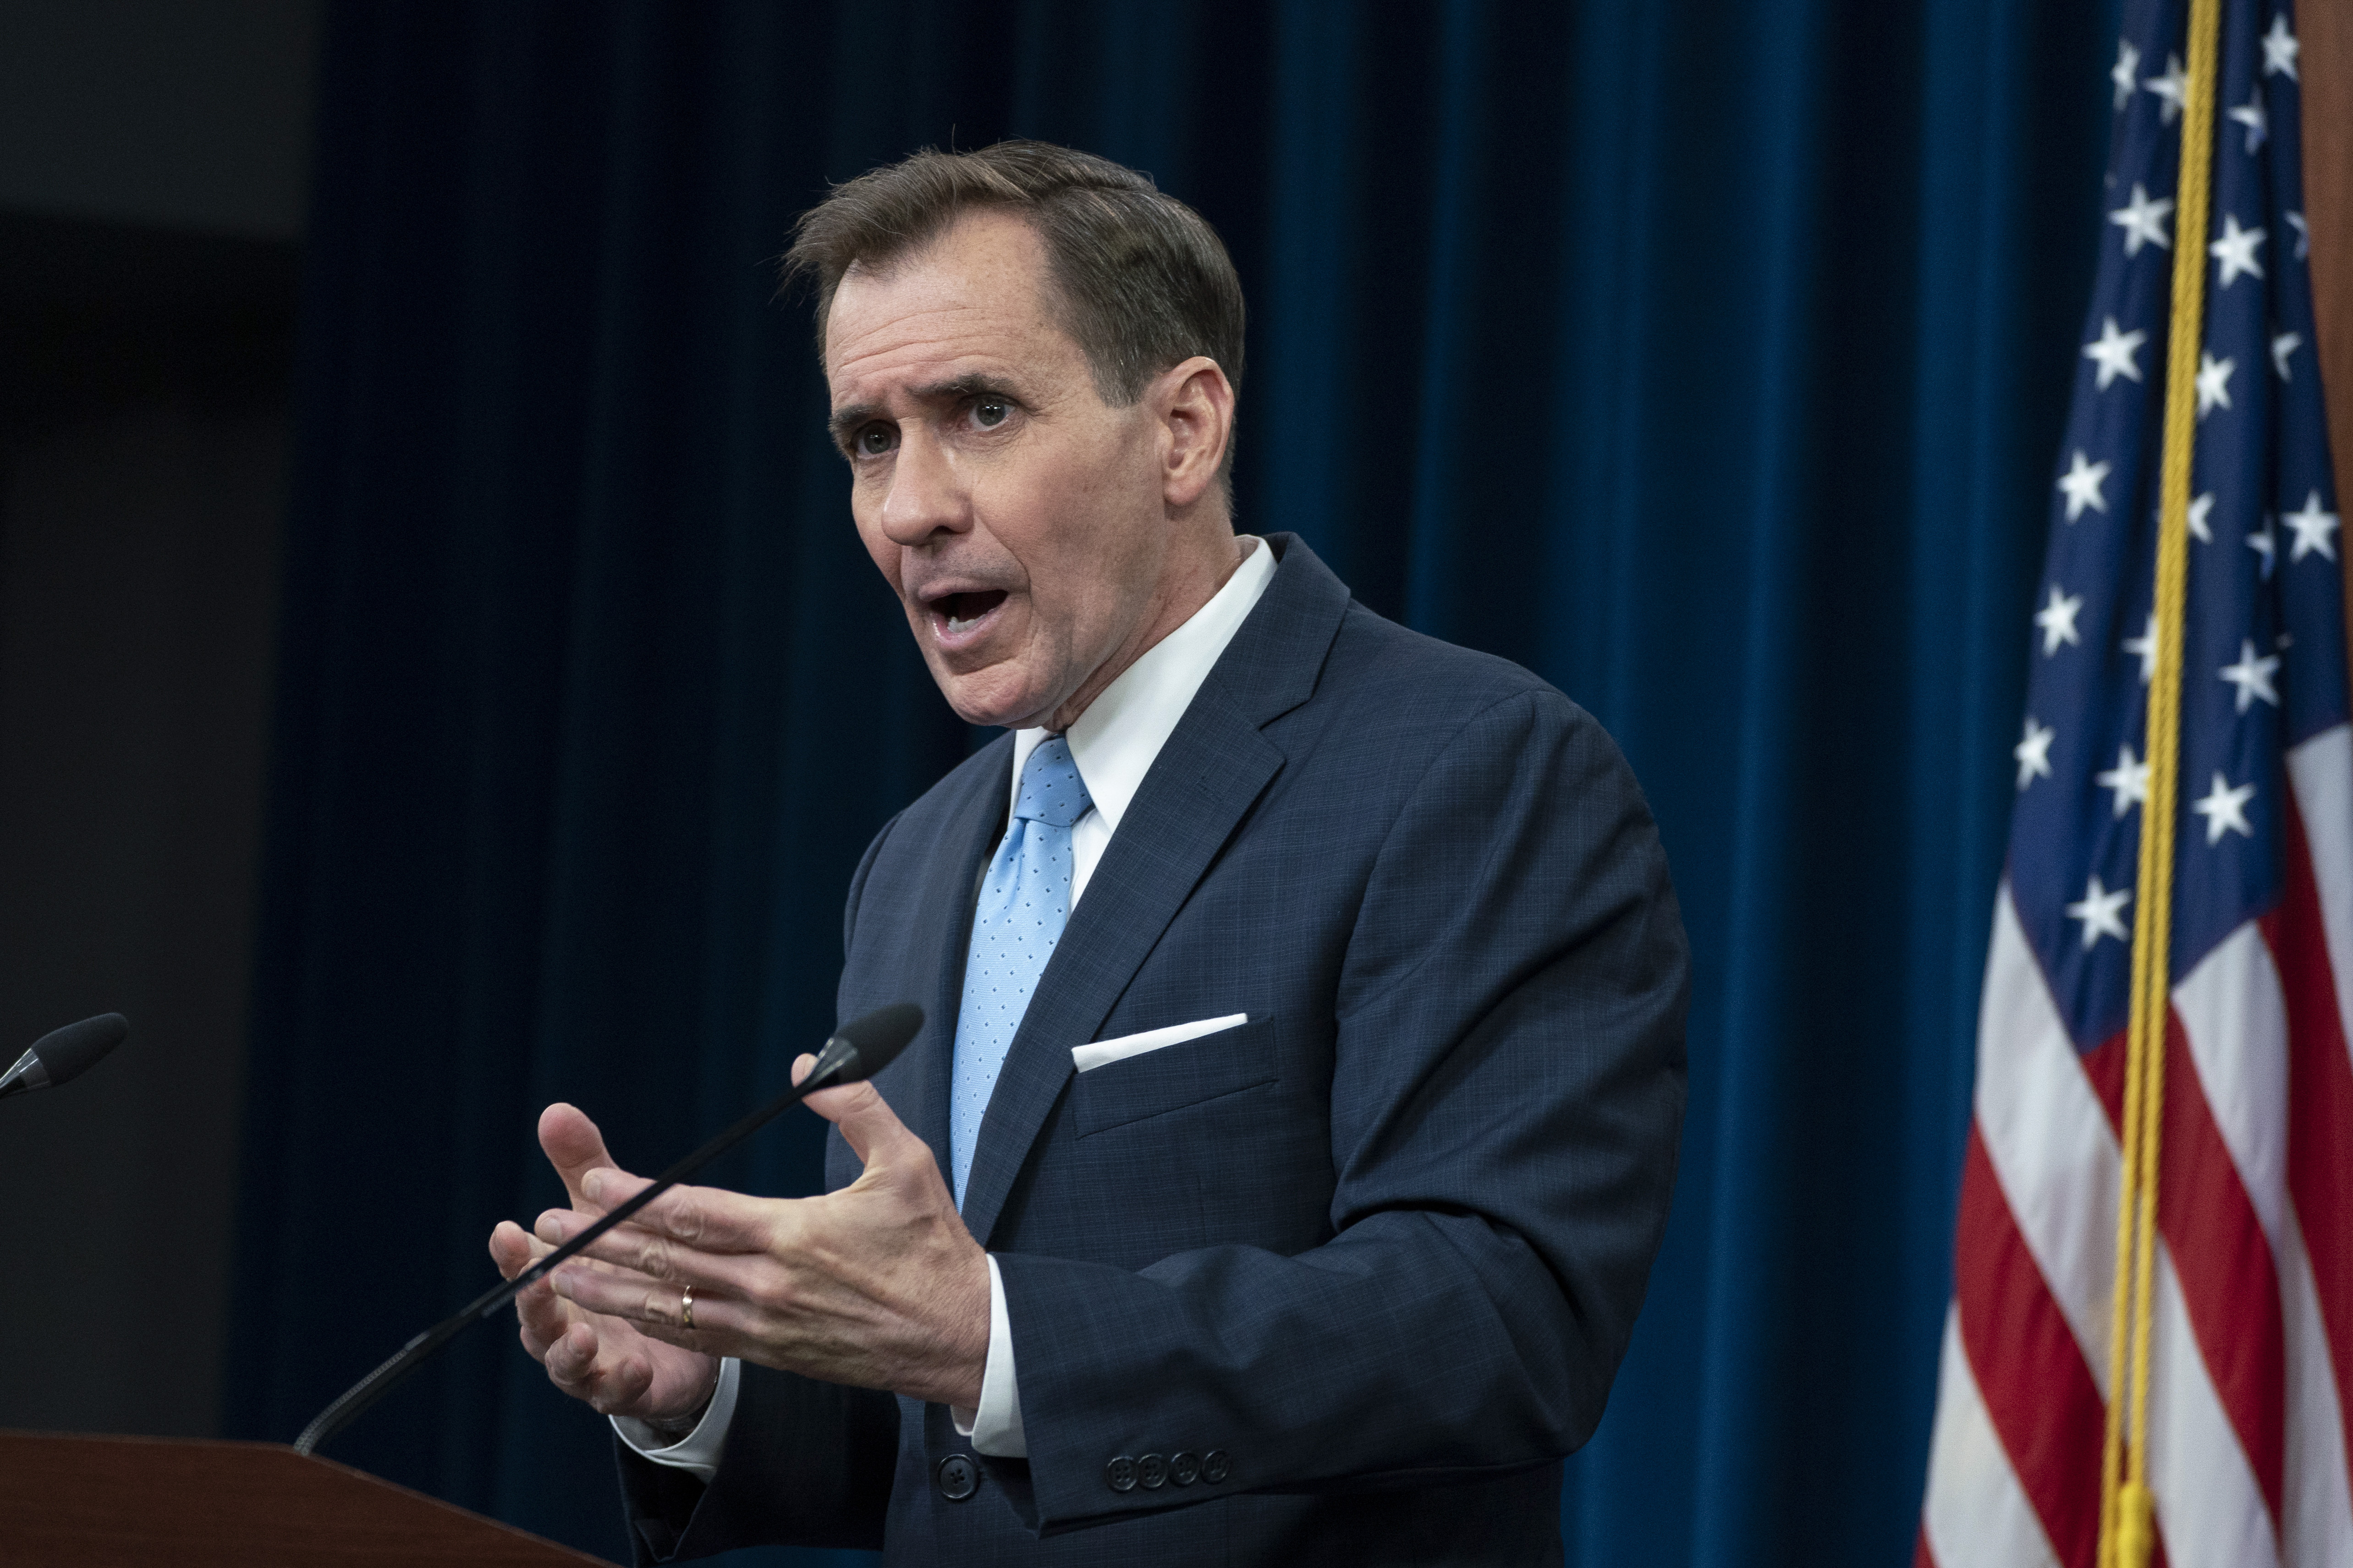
x=2128, y=1525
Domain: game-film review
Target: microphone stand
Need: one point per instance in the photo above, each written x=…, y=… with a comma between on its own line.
x=883, y=1033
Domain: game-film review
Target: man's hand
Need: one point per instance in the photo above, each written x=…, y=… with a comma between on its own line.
x=603, y=1360
x=878, y=1285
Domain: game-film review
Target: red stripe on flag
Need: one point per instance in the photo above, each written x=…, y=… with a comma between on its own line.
x=2320, y=1102
x=1921, y=1556
x=2105, y=1066
x=2222, y=1258
x=2037, y=1393
x=2229, y=1281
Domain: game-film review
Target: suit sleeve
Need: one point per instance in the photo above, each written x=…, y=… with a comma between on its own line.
x=1508, y=1089
x=808, y=1463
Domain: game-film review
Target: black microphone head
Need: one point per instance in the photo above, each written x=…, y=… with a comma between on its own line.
x=66, y=1054
x=877, y=1039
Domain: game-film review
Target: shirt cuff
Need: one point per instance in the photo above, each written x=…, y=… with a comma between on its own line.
x=995, y=1428
x=699, y=1450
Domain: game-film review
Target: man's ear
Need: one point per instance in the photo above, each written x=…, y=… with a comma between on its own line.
x=1195, y=404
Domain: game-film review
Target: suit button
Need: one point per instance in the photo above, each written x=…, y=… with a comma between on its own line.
x=1185, y=1468
x=1152, y=1471
x=959, y=1477
x=1216, y=1466
x=1121, y=1474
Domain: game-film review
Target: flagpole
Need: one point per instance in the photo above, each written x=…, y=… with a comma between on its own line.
x=2127, y=1527
x=2327, y=87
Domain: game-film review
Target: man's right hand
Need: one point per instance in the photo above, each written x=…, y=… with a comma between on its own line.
x=602, y=1361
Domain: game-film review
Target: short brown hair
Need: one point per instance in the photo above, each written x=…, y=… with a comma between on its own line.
x=1145, y=282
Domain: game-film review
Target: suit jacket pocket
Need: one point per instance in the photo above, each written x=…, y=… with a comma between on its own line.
x=1171, y=1079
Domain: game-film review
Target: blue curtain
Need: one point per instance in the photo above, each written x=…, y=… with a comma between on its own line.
x=1706, y=356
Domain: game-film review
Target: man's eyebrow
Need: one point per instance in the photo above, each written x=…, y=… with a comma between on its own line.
x=844, y=422
x=972, y=384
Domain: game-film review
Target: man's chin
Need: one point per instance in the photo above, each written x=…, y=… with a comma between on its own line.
x=992, y=696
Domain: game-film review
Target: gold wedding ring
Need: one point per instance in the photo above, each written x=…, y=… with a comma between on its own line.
x=686, y=1308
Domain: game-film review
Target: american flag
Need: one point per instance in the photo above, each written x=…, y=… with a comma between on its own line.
x=2252, y=1359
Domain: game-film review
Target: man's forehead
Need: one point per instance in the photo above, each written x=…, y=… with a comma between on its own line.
x=914, y=346
x=976, y=293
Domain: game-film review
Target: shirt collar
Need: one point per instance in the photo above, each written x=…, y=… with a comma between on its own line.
x=1117, y=738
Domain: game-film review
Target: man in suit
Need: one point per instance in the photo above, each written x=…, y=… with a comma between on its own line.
x=1277, y=1174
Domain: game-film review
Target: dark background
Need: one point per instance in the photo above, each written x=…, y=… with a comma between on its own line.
x=154, y=166
x=475, y=695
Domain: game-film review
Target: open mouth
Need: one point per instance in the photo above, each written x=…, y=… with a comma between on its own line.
x=959, y=613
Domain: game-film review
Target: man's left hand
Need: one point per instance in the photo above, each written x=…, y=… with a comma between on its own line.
x=878, y=1285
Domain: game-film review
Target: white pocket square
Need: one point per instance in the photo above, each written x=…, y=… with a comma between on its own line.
x=1103, y=1053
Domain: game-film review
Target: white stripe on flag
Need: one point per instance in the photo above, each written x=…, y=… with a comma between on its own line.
x=2320, y=770
x=2236, y=1019
x=2318, y=1504
x=2318, y=1529
x=2047, y=1137
x=2050, y=1143
x=1976, y=1512
x=2208, y=1505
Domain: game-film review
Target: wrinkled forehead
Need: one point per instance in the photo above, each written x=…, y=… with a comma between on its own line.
x=981, y=287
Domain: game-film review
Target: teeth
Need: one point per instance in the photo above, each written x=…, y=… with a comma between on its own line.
x=955, y=626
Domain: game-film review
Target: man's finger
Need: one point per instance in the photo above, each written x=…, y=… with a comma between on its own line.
x=574, y=1146
x=867, y=1124
x=654, y=1308
x=510, y=1249
x=623, y=1386
x=625, y=1249
x=641, y=1261
x=543, y=1317
x=708, y=1219
x=572, y=1355
x=585, y=1368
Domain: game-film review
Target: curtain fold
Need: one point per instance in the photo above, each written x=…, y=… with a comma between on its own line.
x=1706, y=358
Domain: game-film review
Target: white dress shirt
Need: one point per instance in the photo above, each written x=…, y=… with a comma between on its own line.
x=1114, y=743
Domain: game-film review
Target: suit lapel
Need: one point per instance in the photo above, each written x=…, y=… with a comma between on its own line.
x=1178, y=821
x=1214, y=767
x=970, y=831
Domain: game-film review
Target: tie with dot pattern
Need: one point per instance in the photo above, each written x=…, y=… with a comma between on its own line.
x=1024, y=903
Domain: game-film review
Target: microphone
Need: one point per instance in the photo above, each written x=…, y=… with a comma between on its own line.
x=63, y=1054
x=855, y=1052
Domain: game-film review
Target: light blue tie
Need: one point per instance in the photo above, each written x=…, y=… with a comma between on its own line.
x=1024, y=903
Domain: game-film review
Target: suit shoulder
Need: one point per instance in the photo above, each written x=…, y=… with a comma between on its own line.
x=1408, y=681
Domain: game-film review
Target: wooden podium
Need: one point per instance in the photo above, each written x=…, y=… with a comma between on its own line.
x=133, y=1502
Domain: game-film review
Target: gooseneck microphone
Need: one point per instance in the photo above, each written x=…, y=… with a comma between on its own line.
x=63, y=1054
x=856, y=1052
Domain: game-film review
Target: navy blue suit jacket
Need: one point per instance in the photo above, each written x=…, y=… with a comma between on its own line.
x=1382, y=1246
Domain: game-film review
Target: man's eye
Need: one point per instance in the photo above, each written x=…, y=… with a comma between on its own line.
x=989, y=413
x=874, y=441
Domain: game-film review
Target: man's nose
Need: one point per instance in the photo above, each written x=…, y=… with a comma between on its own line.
x=926, y=497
